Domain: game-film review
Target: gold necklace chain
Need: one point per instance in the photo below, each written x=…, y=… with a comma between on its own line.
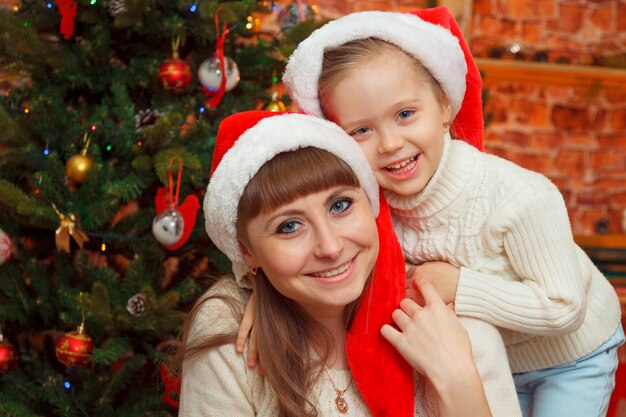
x=340, y=403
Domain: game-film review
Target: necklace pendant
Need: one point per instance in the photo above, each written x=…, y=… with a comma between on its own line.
x=341, y=404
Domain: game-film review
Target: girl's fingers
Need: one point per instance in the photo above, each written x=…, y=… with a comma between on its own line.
x=429, y=293
x=247, y=322
x=409, y=306
x=390, y=334
x=253, y=352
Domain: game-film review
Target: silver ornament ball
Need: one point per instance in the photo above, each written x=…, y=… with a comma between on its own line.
x=210, y=73
x=168, y=226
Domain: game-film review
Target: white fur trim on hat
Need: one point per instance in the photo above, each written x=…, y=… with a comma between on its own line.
x=253, y=149
x=434, y=46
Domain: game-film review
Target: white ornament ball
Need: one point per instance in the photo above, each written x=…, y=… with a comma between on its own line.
x=6, y=247
x=168, y=226
x=210, y=73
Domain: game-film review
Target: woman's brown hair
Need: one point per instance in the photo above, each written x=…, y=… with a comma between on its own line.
x=286, y=335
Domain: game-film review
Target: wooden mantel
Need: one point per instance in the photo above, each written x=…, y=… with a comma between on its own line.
x=498, y=70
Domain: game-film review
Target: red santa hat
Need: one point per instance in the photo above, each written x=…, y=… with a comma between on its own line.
x=432, y=36
x=245, y=141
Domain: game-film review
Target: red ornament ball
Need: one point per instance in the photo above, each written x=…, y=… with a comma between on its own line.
x=8, y=356
x=175, y=74
x=74, y=349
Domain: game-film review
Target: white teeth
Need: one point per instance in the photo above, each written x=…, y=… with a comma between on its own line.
x=397, y=168
x=331, y=273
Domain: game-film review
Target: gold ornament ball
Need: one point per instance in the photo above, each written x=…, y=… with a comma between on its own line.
x=77, y=168
x=276, y=106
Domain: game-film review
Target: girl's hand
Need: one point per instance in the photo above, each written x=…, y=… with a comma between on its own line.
x=247, y=327
x=430, y=338
x=443, y=276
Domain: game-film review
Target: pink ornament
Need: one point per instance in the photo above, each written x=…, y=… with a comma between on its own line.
x=6, y=247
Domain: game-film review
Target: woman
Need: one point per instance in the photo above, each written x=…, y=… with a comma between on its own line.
x=293, y=201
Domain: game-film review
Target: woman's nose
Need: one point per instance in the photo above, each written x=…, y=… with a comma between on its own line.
x=329, y=242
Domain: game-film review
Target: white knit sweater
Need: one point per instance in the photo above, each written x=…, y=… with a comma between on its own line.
x=508, y=230
x=219, y=383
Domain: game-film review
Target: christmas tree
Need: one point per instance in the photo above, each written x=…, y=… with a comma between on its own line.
x=105, y=152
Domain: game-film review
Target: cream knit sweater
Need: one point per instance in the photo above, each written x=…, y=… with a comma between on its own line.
x=508, y=230
x=218, y=383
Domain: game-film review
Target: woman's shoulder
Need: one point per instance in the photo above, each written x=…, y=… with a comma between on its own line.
x=219, y=309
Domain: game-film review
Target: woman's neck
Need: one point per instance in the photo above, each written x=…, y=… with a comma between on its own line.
x=336, y=327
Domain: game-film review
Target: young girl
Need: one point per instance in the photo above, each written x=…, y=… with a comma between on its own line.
x=293, y=200
x=492, y=237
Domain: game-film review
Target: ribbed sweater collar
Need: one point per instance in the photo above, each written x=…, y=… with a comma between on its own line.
x=444, y=187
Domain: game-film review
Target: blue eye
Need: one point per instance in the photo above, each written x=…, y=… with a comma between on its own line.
x=360, y=131
x=405, y=114
x=289, y=226
x=340, y=205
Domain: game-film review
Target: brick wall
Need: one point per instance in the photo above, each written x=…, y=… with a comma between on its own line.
x=572, y=131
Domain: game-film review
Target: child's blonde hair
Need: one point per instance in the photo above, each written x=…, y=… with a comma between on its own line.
x=339, y=61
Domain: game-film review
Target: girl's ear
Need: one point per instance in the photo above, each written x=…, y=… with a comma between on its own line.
x=446, y=110
x=248, y=256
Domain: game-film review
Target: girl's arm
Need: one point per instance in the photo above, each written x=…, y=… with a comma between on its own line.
x=549, y=295
x=434, y=342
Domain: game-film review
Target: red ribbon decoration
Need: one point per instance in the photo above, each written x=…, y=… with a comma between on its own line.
x=67, y=8
x=172, y=385
x=174, y=198
x=214, y=98
x=188, y=210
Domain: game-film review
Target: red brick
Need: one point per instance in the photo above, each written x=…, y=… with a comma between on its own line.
x=619, y=199
x=605, y=159
x=520, y=106
x=599, y=121
x=558, y=93
x=500, y=27
x=571, y=17
x=535, y=162
x=492, y=137
x=532, y=33
x=608, y=182
x=616, y=95
x=603, y=18
x=615, y=221
x=363, y=5
x=570, y=118
x=519, y=9
x=538, y=115
x=515, y=138
x=481, y=47
x=482, y=6
x=593, y=197
x=545, y=141
x=512, y=88
x=562, y=41
x=613, y=141
x=618, y=120
x=621, y=17
x=498, y=109
x=582, y=140
x=570, y=162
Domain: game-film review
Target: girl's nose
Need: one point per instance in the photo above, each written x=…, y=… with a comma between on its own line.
x=389, y=141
